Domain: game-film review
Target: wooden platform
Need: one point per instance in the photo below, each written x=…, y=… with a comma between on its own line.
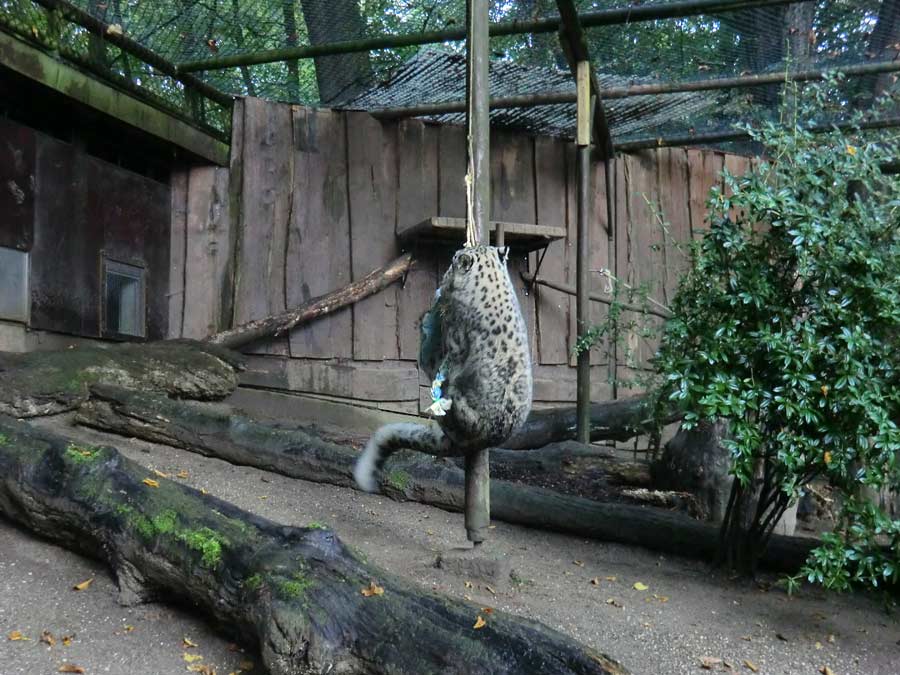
x=520, y=236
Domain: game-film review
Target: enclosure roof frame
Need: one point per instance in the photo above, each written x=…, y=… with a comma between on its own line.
x=603, y=17
x=568, y=27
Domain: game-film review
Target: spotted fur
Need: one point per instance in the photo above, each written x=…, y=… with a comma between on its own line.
x=482, y=347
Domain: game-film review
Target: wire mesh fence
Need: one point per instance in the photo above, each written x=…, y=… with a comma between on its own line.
x=424, y=62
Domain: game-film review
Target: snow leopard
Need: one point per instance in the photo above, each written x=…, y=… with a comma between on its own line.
x=474, y=346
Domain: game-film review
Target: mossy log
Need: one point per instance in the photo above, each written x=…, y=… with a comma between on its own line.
x=617, y=420
x=295, y=590
x=46, y=383
x=408, y=476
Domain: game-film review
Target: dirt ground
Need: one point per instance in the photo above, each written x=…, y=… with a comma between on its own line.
x=687, y=612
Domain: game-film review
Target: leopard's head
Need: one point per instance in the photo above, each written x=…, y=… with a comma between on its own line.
x=476, y=266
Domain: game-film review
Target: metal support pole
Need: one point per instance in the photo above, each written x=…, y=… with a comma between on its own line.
x=478, y=179
x=583, y=251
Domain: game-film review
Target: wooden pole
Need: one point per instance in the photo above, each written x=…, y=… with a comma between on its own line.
x=583, y=249
x=478, y=478
x=478, y=120
x=612, y=350
x=659, y=310
x=723, y=136
x=604, y=17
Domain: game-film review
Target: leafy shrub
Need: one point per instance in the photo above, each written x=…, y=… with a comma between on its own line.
x=788, y=327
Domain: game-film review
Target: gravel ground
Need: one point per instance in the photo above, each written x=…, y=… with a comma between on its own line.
x=686, y=613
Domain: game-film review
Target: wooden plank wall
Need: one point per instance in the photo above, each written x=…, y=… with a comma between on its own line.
x=316, y=197
x=83, y=209
x=201, y=251
x=17, y=170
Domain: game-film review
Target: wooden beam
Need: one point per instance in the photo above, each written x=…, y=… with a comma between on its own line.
x=33, y=63
x=478, y=179
x=126, y=44
x=610, y=93
x=583, y=100
x=574, y=44
x=478, y=190
x=724, y=136
x=659, y=310
x=523, y=237
x=603, y=17
x=583, y=249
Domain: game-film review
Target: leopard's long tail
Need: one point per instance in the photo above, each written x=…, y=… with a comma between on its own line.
x=393, y=437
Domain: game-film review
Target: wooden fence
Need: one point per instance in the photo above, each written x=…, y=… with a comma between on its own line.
x=313, y=198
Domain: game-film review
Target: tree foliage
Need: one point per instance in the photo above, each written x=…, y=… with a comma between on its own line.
x=788, y=327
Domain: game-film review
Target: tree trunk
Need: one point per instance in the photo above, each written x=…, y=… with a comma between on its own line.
x=239, y=41
x=45, y=383
x=759, y=48
x=752, y=513
x=290, y=40
x=801, y=38
x=883, y=46
x=96, y=45
x=295, y=591
x=373, y=282
x=611, y=420
x=342, y=76
x=407, y=476
x=695, y=461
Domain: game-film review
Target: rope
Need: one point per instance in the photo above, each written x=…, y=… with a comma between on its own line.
x=472, y=233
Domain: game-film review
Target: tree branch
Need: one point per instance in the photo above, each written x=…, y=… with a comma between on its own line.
x=271, y=326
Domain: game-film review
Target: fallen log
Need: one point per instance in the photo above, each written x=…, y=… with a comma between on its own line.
x=569, y=458
x=50, y=382
x=295, y=591
x=610, y=421
x=271, y=326
x=408, y=476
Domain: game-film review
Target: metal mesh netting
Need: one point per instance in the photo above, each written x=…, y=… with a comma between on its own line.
x=771, y=39
x=433, y=71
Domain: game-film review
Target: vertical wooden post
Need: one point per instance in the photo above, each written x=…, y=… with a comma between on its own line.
x=612, y=355
x=583, y=249
x=478, y=490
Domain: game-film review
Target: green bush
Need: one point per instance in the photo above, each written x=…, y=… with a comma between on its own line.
x=788, y=327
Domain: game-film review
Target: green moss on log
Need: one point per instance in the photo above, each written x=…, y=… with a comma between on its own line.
x=253, y=582
x=165, y=522
x=207, y=542
x=43, y=383
x=136, y=521
x=291, y=589
x=398, y=479
x=82, y=454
